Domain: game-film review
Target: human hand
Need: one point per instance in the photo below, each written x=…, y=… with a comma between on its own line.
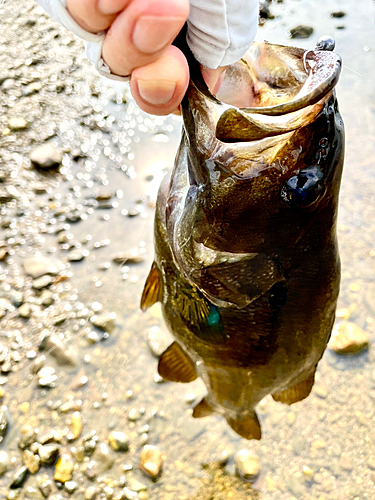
x=138, y=39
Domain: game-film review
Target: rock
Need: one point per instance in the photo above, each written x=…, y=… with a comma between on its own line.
x=4, y=304
x=47, y=377
x=17, y=123
x=157, y=341
x=264, y=10
x=24, y=311
x=301, y=31
x=39, y=266
x=32, y=88
x=3, y=254
x=19, y=478
x=42, y=282
x=132, y=257
x=31, y=461
x=27, y=439
x=76, y=424
x=130, y=495
x=70, y=487
x=91, y=493
x=151, y=461
x=3, y=421
x=33, y=493
x=75, y=256
x=63, y=469
x=57, y=348
x=338, y=14
x=104, y=321
x=247, y=465
x=44, y=484
x=46, y=298
x=4, y=462
x=17, y=298
x=371, y=462
x=321, y=391
x=48, y=453
x=103, y=457
x=119, y=441
x=5, y=195
x=46, y=157
x=348, y=338
x=346, y=463
x=135, y=485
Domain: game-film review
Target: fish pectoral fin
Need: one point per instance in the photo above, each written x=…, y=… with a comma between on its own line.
x=296, y=393
x=176, y=366
x=202, y=409
x=247, y=427
x=152, y=288
x=242, y=281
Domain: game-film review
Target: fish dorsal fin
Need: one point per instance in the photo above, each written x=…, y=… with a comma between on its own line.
x=247, y=427
x=152, y=288
x=176, y=366
x=296, y=393
x=239, y=281
x=202, y=409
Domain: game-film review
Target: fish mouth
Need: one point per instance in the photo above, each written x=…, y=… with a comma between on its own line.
x=271, y=91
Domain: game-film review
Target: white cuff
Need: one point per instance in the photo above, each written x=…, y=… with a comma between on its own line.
x=93, y=42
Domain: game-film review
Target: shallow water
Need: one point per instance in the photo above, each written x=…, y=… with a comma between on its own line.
x=321, y=448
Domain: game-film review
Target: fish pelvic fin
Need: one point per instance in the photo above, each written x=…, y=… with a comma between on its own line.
x=247, y=427
x=296, y=393
x=152, y=289
x=176, y=366
x=202, y=409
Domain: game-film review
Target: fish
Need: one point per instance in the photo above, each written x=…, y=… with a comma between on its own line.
x=246, y=267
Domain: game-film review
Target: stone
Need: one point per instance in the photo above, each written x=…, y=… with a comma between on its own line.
x=46, y=157
x=46, y=298
x=57, y=348
x=70, y=486
x=47, y=377
x=301, y=31
x=17, y=123
x=44, y=484
x=76, y=424
x=64, y=469
x=42, y=282
x=5, y=195
x=27, y=439
x=247, y=465
x=4, y=462
x=371, y=462
x=48, y=453
x=338, y=14
x=103, y=457
x=91, y=493
x=75, y=256
x=348, y=338
x=24, y=311
x=40, y=265
x=135, y=485
x=19, y=477
x=151, y=461
x=118, y=441
x=3, y=421
x=104, y=321
x=158, y=341
x=132, y=257
x=31, y=461
x=346, y=463
x=33, y=493
x=17, y=298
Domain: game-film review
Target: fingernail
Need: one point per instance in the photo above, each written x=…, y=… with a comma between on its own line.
x=152, y=33
x=156, y=92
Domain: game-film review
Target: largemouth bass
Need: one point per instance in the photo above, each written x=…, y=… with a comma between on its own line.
x=246, y=259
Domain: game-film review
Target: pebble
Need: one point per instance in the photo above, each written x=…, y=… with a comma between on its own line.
x=128, y=258
x=346, y=463
x=31, y=461
x=70, y=487
x=63, y=469
x=75, y=256
x=321, y=391
x=4, y=462
x=130, y=495
x=42, y=282
x=46, y=298
x=157, y=341
x=151, y=461
x=33, y=493
x=57, y=348
x=39, y=266
x=118, y=441
x=135, y=485
x=76, y=424
x=104, y=321
x=47, y=377
x=24, y=311
x=27, y=439
x=338, y=14
x=44, y=484
x=19, y=477
x=17, y=123
x=91, y=493
x=247, y=465
x=301, y=31
x=348, y=338
x=371, y=462
x=103, y=457
x=46, y=156
x=3, y=421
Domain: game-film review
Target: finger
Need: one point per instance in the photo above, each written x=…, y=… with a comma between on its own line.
x=158, y=88
x=214, y=77
x=140, y=34
x=95, y=15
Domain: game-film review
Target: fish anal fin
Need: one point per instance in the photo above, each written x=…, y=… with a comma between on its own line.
x=202, y=409
x=247, y=427
x=152, y=288
x=296, y=393
x=176, y=366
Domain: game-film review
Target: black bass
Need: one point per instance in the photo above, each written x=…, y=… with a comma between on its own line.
x=246, y=258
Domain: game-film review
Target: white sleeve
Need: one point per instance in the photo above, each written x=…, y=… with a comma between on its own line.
x=219, y=31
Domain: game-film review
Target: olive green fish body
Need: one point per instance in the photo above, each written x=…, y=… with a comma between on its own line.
x=246, y=259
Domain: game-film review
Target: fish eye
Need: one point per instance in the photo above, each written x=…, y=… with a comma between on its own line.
x=304, y=188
